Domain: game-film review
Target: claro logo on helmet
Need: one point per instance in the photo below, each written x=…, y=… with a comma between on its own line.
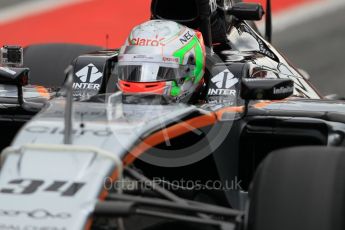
x=148, y=42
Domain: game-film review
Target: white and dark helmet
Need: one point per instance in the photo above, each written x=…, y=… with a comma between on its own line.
x=162, y=57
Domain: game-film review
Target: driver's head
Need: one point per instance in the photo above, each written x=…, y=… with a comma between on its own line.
x=162, y=57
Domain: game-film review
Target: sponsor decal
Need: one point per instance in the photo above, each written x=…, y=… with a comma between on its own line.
x=29, y=187
x=225, y=79
x=283, y=90
x=29, y=227
x=38, y=214
x=148, y=42
x=186, y=38
x=223, y=82
x=222, y=92
x=60, y=131
x=264, y=49
x=84, y=114
x=7, y=70
x=86, y=86
x=143, y=57
x=87, y=77
x=170, y=59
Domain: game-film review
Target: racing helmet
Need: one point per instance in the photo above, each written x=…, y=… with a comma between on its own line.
x=162, y=57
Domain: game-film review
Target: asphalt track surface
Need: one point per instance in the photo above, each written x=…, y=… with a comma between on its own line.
x=316, y=45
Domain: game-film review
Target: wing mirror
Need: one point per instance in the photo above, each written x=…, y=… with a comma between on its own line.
x=265, y=89
x=14, y=76
x=17, y=77
x=247, y=11
x=11, y=73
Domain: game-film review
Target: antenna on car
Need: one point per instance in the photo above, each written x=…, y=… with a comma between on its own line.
x=69, y=107
x=268, y=34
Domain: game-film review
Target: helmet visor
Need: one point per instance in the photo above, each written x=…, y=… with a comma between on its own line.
x=150, y=72
x=151, y=68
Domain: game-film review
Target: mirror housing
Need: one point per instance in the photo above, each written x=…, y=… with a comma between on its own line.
x=266, y=89
x=17, y=77
x=14, y=76
x=247, y=11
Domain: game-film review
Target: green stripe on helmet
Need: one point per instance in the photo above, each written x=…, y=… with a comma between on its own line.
x=199, y=57
x=175, y=90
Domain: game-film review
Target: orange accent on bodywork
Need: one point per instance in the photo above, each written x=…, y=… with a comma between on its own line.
x=173, y=132
x=240, y=109
x=142, y=87
x=237, y=109
x=42, y=91
x=105, y=192
x=263, y=104
x=88, y=224
x=155, y=139
x=183, y=128
x=102, y=197
x=170, y=132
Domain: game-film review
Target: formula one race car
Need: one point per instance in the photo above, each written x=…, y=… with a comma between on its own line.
x=83, y=155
